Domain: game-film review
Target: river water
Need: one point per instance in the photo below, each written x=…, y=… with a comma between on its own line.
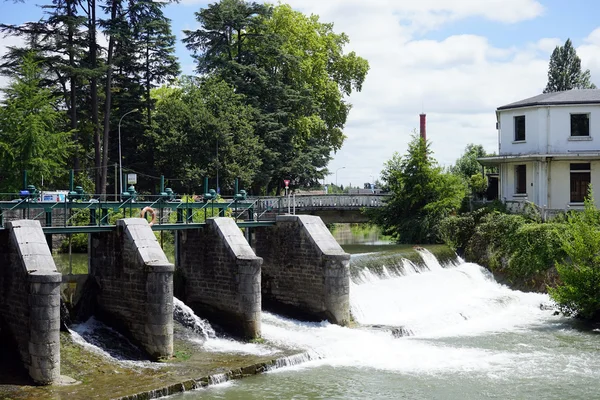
x=471, y=338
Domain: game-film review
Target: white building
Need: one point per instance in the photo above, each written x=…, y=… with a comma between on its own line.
x=549, y=149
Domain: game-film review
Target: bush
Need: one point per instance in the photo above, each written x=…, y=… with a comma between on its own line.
x=579, y=290
x=535, y=248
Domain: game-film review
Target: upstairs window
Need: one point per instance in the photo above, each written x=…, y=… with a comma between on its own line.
x=520, y=128
x=580, y=181
x=580, y=125
x=521, y=179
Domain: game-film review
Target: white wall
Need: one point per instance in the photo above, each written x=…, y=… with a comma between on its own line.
x=560, y=183
x=560, y=129
x=548, y=130
x=507, y=179
x=507, y=131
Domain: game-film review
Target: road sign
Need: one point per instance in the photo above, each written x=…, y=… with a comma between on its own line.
x=287, y=183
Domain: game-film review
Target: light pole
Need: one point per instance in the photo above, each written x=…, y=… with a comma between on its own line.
x=336, y=171
x=120, y=159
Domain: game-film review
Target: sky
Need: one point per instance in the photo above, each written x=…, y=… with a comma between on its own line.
x=455, y=60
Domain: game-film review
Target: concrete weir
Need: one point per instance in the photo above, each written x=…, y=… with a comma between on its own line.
x=305, y=272
x=135, y=285
x=30, y=298
x=219, y=276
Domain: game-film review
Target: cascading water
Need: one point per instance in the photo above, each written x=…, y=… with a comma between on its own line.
x=186, y=317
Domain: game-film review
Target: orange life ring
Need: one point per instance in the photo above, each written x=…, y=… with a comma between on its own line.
x=151, y=211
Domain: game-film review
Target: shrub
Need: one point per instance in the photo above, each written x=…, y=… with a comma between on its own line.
x=535, y=248
x=579, y=290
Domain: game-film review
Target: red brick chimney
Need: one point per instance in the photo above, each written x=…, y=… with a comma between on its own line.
x=423, y=130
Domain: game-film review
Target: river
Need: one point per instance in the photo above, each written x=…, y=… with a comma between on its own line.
x=471, y=338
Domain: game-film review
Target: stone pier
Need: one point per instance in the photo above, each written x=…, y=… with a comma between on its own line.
x=305, y=272
x=30, y=298
x=219, y=276
x=135, y=285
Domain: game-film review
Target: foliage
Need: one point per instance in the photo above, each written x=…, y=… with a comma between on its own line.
x=534, y=248
x=578, y=292
x=30, y=135
x=564, y=70
x=292, y=69
x=422, y=194
x=193, y=122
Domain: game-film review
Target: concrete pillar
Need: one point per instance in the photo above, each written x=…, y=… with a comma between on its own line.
x=135, y=282
x=30, y=298
x=305, y=272
x=220, y=276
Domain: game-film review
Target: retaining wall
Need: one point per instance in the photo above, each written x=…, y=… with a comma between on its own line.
x=30, y=298
x=305, y=272
x=135, y=285
x=220, y=276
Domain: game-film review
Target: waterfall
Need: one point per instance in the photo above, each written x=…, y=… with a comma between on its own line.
x=409, y=314
x=186, y=317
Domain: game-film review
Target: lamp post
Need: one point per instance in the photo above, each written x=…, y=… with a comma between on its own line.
x=120, y=159
x=336, y=171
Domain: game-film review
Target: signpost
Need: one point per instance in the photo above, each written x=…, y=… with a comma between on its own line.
x=287, y=186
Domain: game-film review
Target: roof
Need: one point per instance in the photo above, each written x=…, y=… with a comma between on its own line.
x=572, y=156
x=576, y=96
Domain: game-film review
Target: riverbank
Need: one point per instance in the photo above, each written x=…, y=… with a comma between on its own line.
x=100, y=376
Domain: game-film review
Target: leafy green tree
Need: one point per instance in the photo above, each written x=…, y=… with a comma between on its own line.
x=564, y=71
x=30, y=138
x=422, y=194
x=291, y=68
x=578, y=292
x=188, y=124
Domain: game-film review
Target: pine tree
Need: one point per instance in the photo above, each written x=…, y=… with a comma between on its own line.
x=30, y=130
x=564, y=71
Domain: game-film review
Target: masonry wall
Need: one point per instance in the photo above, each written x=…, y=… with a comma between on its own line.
x=221, y=276
x=135, y=285
x=30, y=298
x=305, y=272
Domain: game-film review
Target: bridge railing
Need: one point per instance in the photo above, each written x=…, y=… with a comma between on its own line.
x=281, y=204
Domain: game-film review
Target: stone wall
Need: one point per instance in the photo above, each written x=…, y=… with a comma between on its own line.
x=305, y=272
x=30, y=298
x=221, y=276
x=135, y=285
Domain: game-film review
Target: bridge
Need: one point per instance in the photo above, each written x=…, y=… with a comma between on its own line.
x=64, y=217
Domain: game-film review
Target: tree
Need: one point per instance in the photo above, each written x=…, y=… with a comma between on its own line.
x=468, y=168
x=422, y=194
x=292, y=69
x=564, y=71
x=188, y=124
x=30, y=138
x=579, y=288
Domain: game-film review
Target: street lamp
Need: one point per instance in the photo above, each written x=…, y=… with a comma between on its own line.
x=120, y=159
x=336, y=171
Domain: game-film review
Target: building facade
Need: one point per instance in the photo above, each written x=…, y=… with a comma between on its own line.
x=549, y=149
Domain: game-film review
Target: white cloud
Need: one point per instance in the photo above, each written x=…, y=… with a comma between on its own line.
x=458, y=81
x=589, y=52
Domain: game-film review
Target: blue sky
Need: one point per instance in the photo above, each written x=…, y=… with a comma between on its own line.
x=456, y=60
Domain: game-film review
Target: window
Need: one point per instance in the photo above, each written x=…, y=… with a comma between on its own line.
x=580, y=181
x=580, y=125
x=520, y=128
x=520, y=179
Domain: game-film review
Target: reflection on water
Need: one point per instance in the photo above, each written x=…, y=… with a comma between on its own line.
x=359, y=234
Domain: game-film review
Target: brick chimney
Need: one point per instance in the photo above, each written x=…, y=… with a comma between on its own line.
x=423, y=130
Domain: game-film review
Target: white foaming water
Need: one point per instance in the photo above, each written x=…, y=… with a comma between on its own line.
x=435, y=303
x=209, y=340
x=87, y=335
x=186, y=316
